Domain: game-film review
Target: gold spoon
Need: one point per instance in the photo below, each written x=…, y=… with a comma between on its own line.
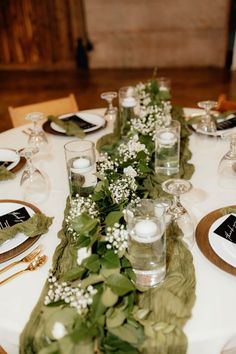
x=36, y=263
x=28, y=258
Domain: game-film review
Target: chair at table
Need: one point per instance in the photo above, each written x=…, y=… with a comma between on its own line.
x=53, y=107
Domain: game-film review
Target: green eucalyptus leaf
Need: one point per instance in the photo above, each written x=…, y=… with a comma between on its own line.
x=73, y=274
x=83, y=224
x=67, y=346
x=106, y=272
x=110, y=260
x=92, y=263
x=52, y=348
x=128, y=333
x=119, y=284
x=109, y=298
x=92, y=279
x=83, y=241
x=97, y=308
x=113, y=217
x=116, y=319
x=113, y=344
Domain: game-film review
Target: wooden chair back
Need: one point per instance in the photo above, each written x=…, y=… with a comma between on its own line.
x=53, y=107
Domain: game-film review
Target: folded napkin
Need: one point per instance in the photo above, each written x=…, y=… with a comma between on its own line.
x=5, y=174
x=70, y=127
x=36, y=225
x=224, y=105
x=228, y=210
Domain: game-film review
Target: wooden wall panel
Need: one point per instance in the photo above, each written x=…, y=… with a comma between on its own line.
x=39, y=34
x=163, y=33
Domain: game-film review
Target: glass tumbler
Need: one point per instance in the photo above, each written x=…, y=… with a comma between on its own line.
x=81, y=167
x=147, y=242
x=128, y=106
x=167, y=148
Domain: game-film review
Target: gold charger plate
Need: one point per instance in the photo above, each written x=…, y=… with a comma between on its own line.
x=25, y=244
x=202, y=240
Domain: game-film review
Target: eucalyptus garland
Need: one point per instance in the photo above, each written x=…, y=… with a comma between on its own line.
x=90, y=303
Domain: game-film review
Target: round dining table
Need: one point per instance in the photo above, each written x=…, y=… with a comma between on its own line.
x=213, y=321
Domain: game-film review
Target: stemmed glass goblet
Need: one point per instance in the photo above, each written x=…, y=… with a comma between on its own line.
x=227, y=165
x=35, y=186
x=178, y=213
x=207, y=124
x=111, y=111
x=37, y=137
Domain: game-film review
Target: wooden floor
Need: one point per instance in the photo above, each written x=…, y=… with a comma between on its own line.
x=188, y=86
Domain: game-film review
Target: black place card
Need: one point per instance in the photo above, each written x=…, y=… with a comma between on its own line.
x=80, y=122
x=5, y=163
x=14, y=217
x=227, y=229
x=226, y=124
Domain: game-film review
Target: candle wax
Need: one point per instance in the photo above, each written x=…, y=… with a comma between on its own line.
x=146, y=228
x=167, y=138
x=81, y=163
x=129, y=102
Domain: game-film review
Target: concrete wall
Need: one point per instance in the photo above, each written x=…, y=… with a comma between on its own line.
x=163, y=33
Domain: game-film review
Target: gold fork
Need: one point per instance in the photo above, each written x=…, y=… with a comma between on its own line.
x=36, y=263
x=28, y=258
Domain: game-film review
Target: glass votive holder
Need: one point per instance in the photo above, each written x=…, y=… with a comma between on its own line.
x=167, y=148
x=128, y=106
x=81, y=167
x=164, y=83
x=147, y=243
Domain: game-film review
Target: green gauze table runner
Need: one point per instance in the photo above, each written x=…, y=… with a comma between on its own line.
x=92, y=306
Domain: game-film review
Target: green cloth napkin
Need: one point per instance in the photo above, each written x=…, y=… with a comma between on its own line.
x=71, y=128
x=228, y=210
x=5, y=174
x=38, y=224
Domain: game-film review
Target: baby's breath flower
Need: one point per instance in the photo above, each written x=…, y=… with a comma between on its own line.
x=80, y=205
x=117, y=238
x=130, y=172
x=106, y=163
x=75, y=297
x=129, y=149
x=122, y=188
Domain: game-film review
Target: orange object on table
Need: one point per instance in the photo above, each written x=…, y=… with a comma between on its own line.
x=224, y=105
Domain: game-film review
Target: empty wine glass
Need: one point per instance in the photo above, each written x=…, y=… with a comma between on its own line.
x=227, y=165
x=111, y=111
x=207, y=124
x=179, y=215
x=34, y=183
x=37, y=137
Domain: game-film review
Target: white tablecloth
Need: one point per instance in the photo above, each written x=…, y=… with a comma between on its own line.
x=214, y=313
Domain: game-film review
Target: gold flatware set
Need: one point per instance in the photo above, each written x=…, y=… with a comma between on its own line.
x=33, y=257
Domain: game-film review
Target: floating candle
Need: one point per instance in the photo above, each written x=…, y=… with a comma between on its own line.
x=129, y=102
x=81, y=163
x=167, y=138
x=145, y=231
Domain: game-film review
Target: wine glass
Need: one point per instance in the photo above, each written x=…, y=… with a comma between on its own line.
x=227, y=165
x=179, y=215
x=111, y=111
x=207, y=124
x=37, y=137
x=34, y=183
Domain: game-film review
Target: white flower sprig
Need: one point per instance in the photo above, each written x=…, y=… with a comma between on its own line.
x=117, y=238
x=123, y=188
x=80, y=205
x=129, y=149
x=75, y=297
x=106, y=163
